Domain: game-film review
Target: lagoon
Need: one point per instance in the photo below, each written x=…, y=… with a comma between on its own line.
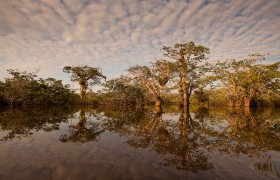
x=167, y=143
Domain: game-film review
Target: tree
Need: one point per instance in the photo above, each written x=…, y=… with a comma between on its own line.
x=187, y=58
x=154, y=78
x=122, y=92
x=245, y=80
x=20, y=89
x=261, y=81
x=23, y=89
x=85, y=76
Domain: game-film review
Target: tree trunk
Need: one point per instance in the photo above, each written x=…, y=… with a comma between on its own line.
x=11, y=103
x=247, y=101
x=181, y=97
x=247, y=112
x=184, y=121
x=158, y=111
x=158, y=101
x=186, y=98
x=185, y=101
x=83, y=92
x=82, y=119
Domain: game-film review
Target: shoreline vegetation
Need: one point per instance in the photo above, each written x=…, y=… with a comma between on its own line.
x=183, y=78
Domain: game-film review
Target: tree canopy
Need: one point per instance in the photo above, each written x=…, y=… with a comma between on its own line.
x=154, y=77
x=85, y=76
x=187, y=57
x=242, y=82
x=24, y=90
x=246, y=79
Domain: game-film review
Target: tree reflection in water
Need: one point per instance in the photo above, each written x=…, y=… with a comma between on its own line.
x=23, y=123
x=185, y=149
x=83, y=131
x=187, y=144
x=179, y=143
x=241, y=131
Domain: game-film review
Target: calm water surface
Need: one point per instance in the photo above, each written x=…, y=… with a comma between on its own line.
x=166, y=143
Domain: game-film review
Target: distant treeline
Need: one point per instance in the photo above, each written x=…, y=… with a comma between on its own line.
x=183, y=77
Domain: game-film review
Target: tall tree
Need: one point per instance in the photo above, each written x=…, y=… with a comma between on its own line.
x=247, y=79
x=154, y=78
x=85, y=76
x=187, y=58
x=262, y=81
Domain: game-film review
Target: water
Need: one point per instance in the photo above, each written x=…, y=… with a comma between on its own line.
x=168, y=143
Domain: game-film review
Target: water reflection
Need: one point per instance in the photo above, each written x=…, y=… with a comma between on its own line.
x=184, y=139
x=179, y=143
x=83, y=131
x=186, y=144
x=23, y=123
x=267, y=167
x=242, y=131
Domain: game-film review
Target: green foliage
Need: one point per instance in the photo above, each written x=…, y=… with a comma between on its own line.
x=188, y=72
x=86, y=76
x=187, y=51
x=171, y=98
x=243, y=82
x=217, y=97
x=247, y=79
x=201, y=96
x=120, y=92
x=154, y=78
x=23, y=90
x=163, y=71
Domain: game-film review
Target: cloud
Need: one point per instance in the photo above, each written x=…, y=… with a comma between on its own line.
x=49, y=34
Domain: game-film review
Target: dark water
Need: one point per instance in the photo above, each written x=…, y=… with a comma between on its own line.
x=90, y=143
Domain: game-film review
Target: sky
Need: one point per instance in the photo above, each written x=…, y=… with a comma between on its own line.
x=43, y=36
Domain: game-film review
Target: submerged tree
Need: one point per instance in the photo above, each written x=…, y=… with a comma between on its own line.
x=121, y=92
x=187, y=58
x=245, y=80
x=85, y=76
x=153, y=78
x=263, y=81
